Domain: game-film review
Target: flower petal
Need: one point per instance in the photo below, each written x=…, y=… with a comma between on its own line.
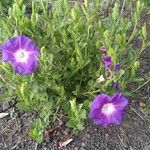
x=11, y=44
x=119, y=100
x=6, y=55
x=99, y=101
x=26, y=68
x=107, y=61
x=116, y=86
x=117, y=68
x=27, y=44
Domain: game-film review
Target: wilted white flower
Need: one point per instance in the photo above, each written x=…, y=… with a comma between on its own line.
x=101, y=79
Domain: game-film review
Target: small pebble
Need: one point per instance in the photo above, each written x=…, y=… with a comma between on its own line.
x=88, y=136
x=76, y=148
x=107, y=135
x=81, y=148
x=83, y=144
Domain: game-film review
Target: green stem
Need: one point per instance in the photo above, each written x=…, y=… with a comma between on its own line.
x=123, y=6
x=132, y=35
x=142, y=48
x=7, y=81
x=92, y=93
x=141, y=86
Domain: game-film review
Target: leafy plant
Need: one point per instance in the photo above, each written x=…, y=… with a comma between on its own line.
x=77, y=115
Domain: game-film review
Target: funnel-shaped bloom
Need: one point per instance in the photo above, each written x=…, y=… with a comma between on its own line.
x=116, y=86
x=106, y=110
x=107, y=61
x=21, y=52
x=117, y=68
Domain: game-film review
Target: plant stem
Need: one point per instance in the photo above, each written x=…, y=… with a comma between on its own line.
x=7, y=81
x=142, y=85
x=123, y=5
x=92, y=93
x=133, y=33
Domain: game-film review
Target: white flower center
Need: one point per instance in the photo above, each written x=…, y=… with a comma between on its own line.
x=108, y=109
x=21, y=56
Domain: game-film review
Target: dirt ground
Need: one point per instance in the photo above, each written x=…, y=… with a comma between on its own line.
x=133, y=134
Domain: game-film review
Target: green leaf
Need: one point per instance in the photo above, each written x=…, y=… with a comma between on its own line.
x=144, y=32
x=120, y=74
x=86, y=104
x=83, y=114
x=115, y=13
x=36, y=131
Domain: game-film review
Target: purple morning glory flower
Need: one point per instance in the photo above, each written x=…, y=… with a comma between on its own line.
x=106, y=110
x=117, y=68
x=21, y=52
x=107, y=61
x=116, y=86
